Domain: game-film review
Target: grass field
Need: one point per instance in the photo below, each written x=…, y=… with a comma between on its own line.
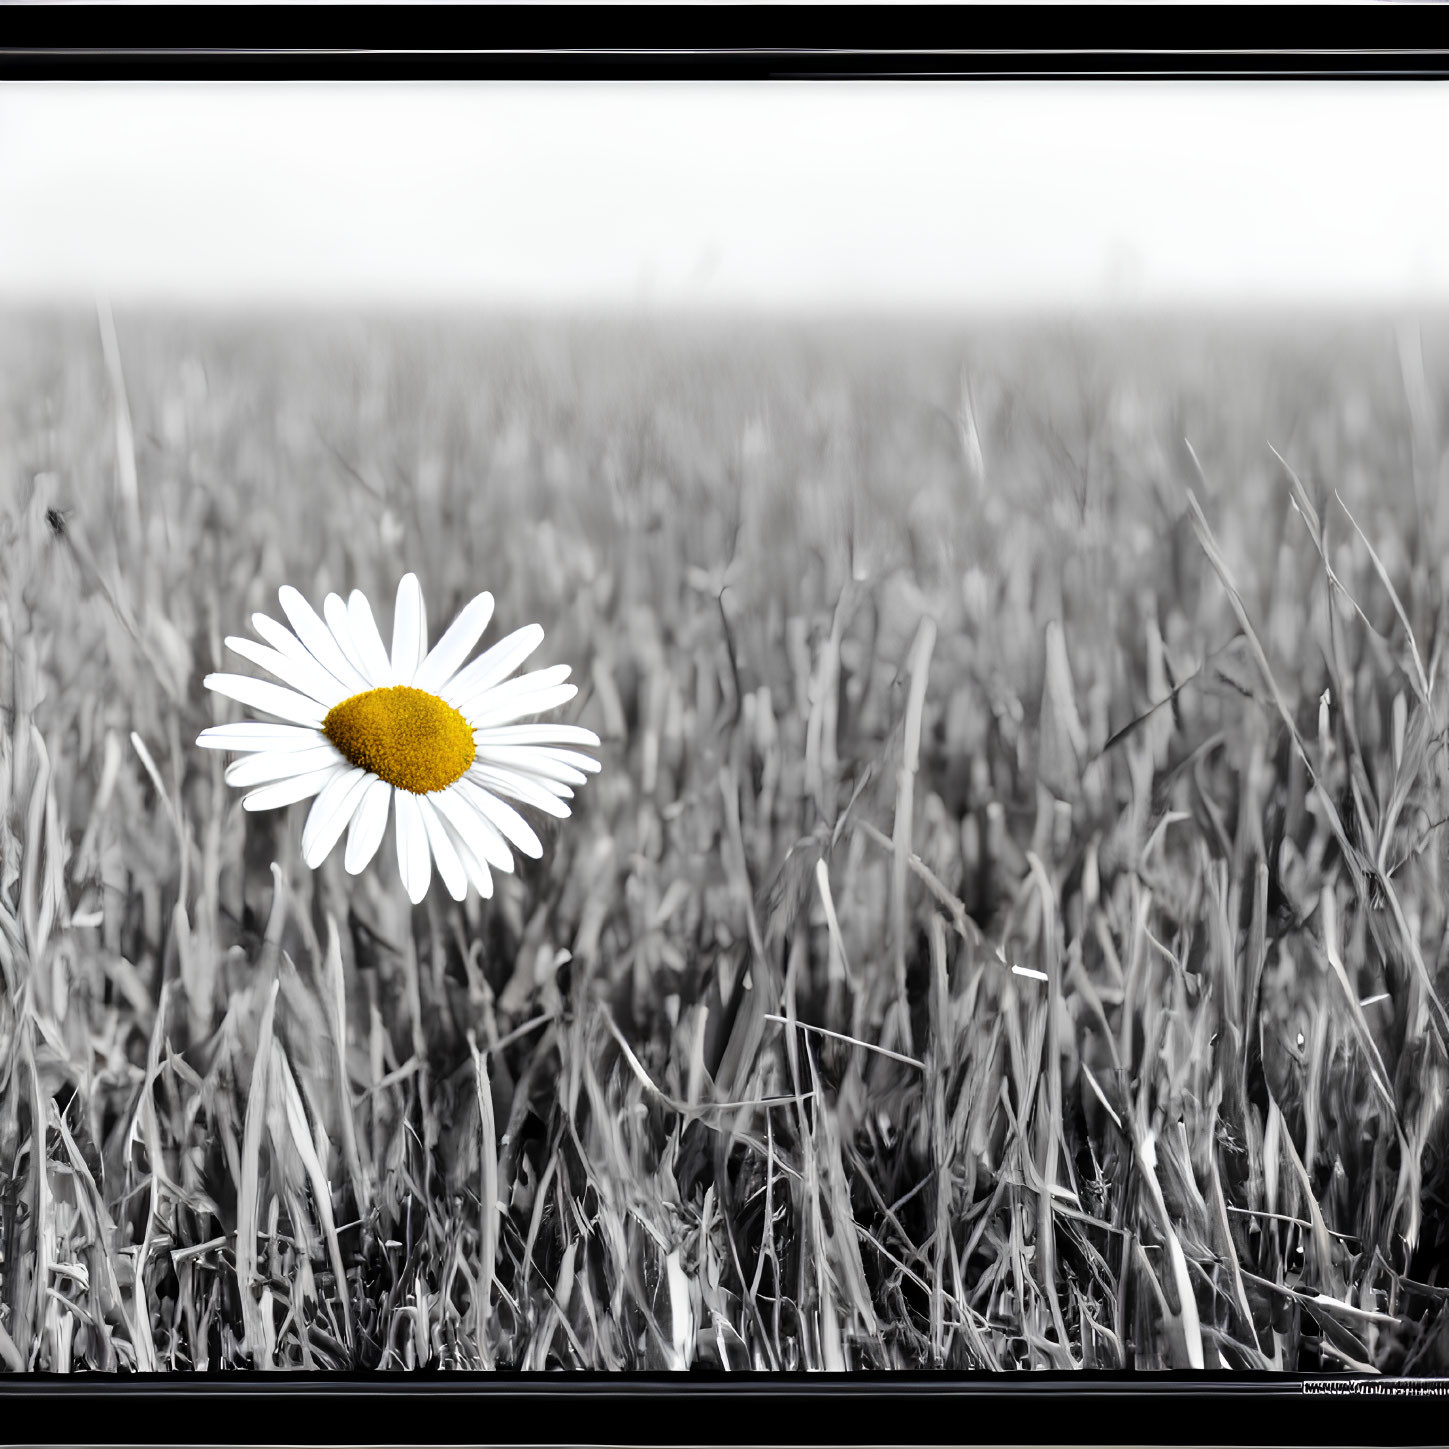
x=1008, y=930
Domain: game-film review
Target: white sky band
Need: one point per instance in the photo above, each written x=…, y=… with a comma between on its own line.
x=778, y=195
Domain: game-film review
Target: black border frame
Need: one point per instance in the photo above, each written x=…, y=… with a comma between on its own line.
x=1381, y=41
x=1391, y=39
x=697, y=1408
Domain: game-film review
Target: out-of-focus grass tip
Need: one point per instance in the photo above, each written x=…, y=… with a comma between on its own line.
x=418, y=732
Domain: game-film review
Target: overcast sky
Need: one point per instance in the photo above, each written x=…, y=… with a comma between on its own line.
x=801, y=195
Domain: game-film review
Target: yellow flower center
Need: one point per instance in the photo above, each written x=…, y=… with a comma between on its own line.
x=406, y=736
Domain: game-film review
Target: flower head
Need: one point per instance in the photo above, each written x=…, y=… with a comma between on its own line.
x=418, y=732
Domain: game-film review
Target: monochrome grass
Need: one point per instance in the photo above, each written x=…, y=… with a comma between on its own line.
x=1008, y=928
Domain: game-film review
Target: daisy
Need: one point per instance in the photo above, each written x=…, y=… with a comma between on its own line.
x=418, y=732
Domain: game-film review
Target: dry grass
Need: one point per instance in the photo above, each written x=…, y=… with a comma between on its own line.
x=1009, y=929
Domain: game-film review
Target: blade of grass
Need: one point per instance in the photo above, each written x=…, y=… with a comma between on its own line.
x=248, y=1189
x=317, y=1175
x=1421, y=680
x=919, y=669
x=488, y=1205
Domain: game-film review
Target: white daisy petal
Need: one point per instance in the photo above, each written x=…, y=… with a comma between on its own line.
x=309, y=679
x=369, y=822
x=414, y=858
x=473, y=865
x=532, y=763
x=331, y=813
x=518, y=787
x=493, y=665
x=455, y=646
x=534, y=760
x=256, y=735
x=537, y=734
x=339, y=625
x=528, y=704
x=450, y=866
x=574, y=760
x=409, y=630
x=287, y=644
x=475, y=829
x=279, y=765
x=288, y=792
x=503, y=817
x=269, y=698
x=368, y=640
x=510, y=690
x=315, y=636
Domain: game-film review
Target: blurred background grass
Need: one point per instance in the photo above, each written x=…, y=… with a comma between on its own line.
x=971, y=955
